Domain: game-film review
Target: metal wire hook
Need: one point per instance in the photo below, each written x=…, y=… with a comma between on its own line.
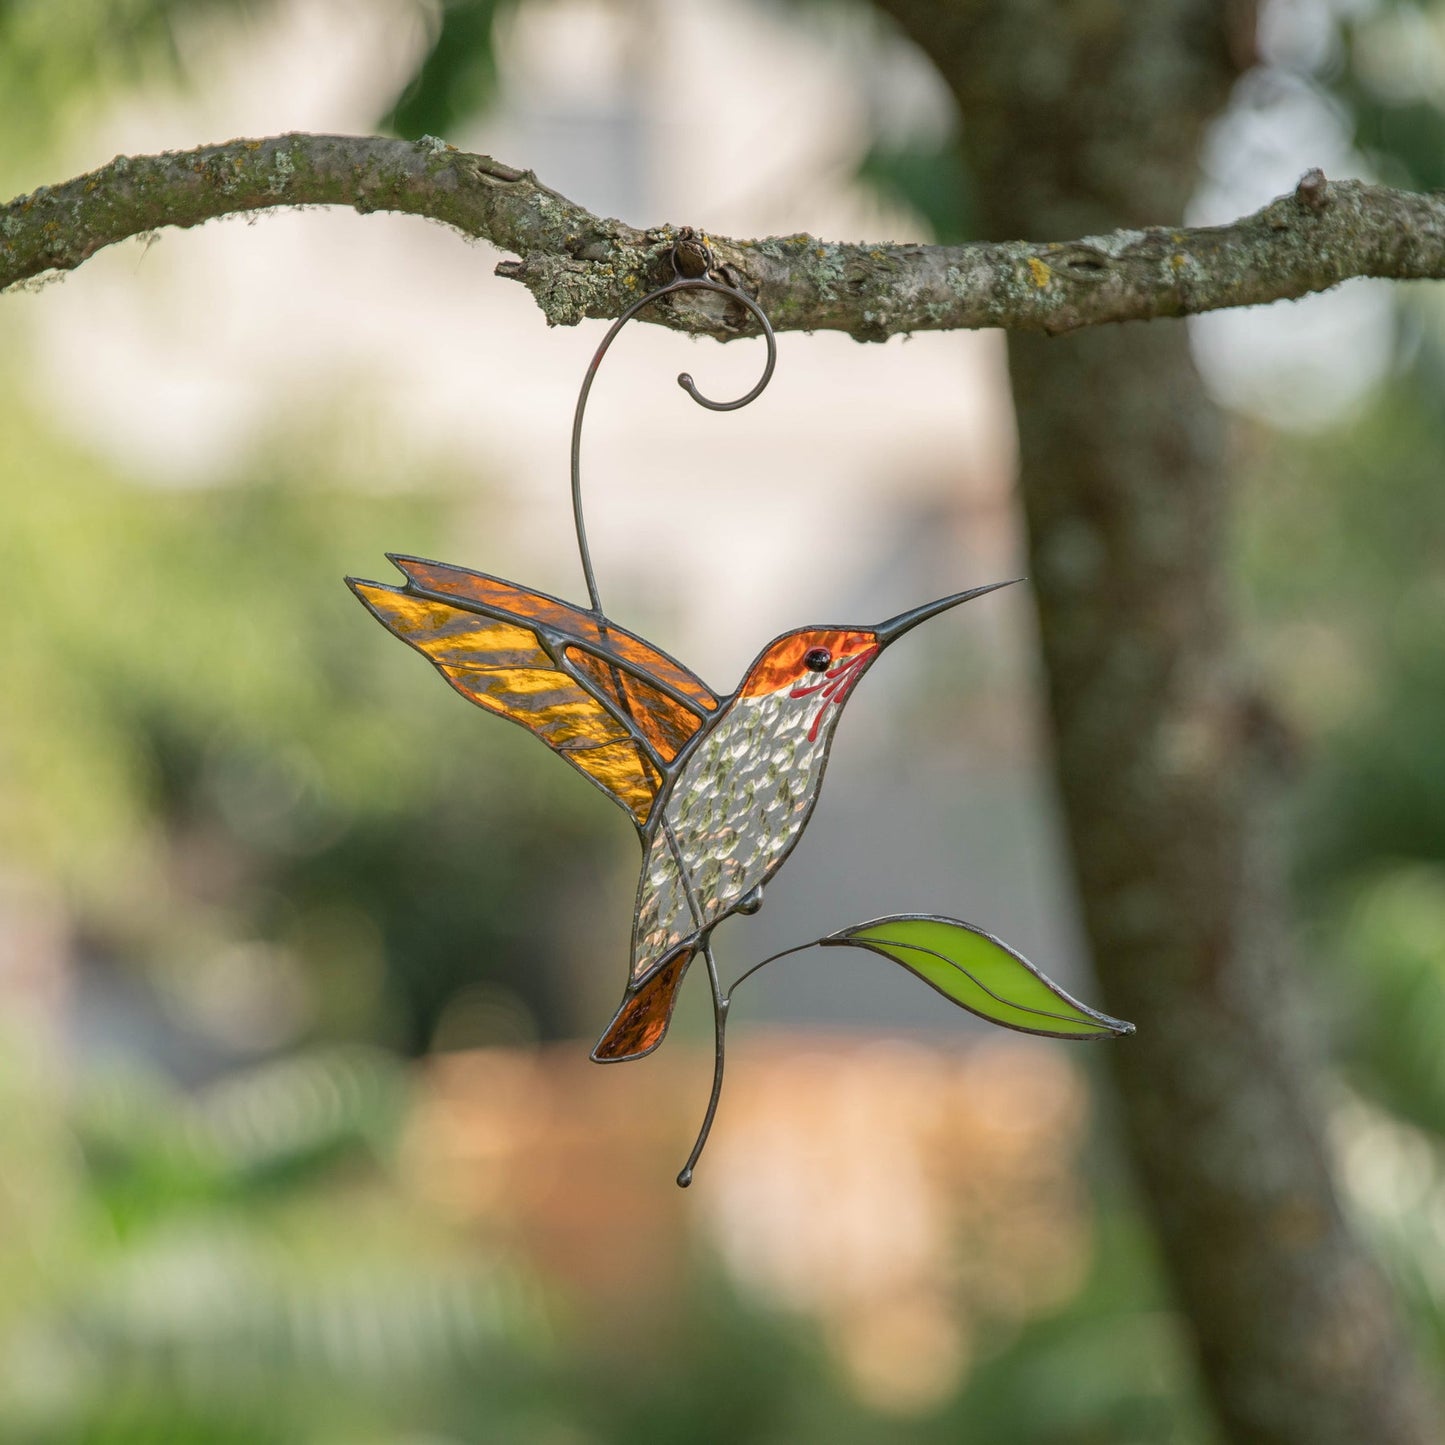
x=684, y=380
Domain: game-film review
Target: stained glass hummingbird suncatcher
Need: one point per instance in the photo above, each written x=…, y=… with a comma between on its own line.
x=719, y=787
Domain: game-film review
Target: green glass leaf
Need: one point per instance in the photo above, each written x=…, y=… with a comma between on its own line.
x=981, y=974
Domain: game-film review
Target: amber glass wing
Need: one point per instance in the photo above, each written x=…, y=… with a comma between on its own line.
x=612, y=705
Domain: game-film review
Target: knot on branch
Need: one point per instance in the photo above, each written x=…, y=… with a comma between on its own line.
x=692, y=255
x=1313, y=190
x=569, y=290
x=1079, y=261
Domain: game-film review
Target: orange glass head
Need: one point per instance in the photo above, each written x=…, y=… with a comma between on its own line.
x=823, y=664
x=815, y=667
x=812, y=657
x=806, y=658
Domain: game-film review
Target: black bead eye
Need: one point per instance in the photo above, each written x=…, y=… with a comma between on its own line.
x=817, y=659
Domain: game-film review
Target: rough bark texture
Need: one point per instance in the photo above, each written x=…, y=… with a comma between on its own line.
x=1074, y=114
x=578, y=265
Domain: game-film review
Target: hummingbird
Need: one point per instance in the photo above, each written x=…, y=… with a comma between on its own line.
x=719, y=787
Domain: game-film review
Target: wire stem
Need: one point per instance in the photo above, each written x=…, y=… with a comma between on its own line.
x=682, y=283
x=721, y=1002
x=720, y=1023
x=772, y=958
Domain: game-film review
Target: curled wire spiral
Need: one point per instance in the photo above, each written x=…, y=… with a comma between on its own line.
x=681, y=283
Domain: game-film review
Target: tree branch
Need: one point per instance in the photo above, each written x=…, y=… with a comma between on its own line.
x=576, y=264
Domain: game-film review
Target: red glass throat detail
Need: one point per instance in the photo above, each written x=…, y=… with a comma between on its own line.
x=834, y=686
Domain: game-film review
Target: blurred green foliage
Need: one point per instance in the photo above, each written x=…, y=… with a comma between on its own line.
x=1343, y=559
x=1384, y=73
x=253, y=1264
x=59, y=61
x=244, y=1266
x=1344, y=545
x=457, y=77
x=928, y=179
x=199, y=746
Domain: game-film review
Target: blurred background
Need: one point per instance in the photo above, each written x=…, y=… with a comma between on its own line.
x=301, y=957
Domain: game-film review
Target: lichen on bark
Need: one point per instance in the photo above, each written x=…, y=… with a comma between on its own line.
x=579, y=265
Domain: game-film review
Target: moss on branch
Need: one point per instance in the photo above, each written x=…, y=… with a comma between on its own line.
x=580, y=265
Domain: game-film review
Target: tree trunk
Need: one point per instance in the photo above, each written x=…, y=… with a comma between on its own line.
x=1078, y=118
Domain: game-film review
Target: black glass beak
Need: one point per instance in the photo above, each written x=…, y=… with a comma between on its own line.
x=895, y=627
